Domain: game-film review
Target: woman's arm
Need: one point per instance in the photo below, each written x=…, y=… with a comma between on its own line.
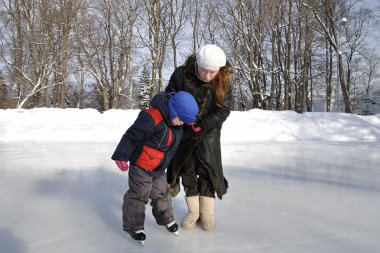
x=216, y=117
x=176, y=81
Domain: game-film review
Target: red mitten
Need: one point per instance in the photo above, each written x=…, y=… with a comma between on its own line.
x=195, y=127
x=123, y=165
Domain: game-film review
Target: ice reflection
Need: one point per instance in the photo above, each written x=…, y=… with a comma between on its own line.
x=346, y=164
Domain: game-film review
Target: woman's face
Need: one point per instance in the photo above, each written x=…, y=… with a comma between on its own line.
x=206, y=75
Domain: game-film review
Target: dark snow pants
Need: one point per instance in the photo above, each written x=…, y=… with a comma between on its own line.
x=143, y=186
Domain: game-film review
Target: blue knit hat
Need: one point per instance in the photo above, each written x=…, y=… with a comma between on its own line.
x=183, y=105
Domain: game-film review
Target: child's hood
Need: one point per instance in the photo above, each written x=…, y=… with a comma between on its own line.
x=160, y=101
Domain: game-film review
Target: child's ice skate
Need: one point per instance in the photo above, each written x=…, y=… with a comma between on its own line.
x=138, y=236
x=172, y=227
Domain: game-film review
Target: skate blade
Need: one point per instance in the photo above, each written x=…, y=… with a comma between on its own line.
x=137, y=242
x=142, y=243
x=173, y=233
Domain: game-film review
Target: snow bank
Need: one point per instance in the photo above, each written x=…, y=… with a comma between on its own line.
x=88, y=125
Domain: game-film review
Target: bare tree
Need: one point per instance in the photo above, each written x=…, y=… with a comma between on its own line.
x=63, y=53
x=273, y=26
x=328, y=74
x=30, y=55
x=330, y=14
x=154, y=35
x=3, y=93
x=196, y=7
x=303, y=93
x=178, y=18
x=370, y=71
x=63, y=13
x=105, y=42
x=355, y=33
x=238, y=21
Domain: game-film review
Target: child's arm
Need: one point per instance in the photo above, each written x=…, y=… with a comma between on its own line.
x=140, y=130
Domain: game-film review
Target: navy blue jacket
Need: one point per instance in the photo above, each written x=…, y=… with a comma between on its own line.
x=149, y=131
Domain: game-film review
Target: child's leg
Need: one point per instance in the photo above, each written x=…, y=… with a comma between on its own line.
x=161, y=201
x=135, y=199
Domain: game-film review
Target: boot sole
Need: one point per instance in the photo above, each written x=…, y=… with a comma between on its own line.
x=209, y=229
x=189, y=227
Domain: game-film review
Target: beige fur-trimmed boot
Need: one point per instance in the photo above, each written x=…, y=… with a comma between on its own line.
x=206, y=209
x=192, y=216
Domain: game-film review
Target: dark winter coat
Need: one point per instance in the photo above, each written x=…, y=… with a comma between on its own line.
x=205, y=146
x=151, y=132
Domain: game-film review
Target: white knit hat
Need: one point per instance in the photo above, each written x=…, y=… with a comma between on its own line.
x=211, y=57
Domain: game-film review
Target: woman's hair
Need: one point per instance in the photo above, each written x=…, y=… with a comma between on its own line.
x=221, y=84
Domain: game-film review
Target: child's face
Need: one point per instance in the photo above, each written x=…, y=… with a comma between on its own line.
x=176, y=121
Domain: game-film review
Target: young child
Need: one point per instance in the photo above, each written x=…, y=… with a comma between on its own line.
x=149, y=144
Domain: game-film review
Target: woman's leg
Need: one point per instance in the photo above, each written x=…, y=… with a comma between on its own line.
x=207, y=199
x=190, y=178
x=190, y=185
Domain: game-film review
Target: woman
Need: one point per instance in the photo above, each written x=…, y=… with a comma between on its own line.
x=207, y=76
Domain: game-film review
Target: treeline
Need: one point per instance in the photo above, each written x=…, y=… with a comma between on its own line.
x=110, y=54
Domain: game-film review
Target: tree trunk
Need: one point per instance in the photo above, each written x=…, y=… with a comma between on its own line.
x=288, y=47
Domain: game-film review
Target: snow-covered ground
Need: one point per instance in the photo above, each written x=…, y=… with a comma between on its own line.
x=298, y=183
x=88, y=125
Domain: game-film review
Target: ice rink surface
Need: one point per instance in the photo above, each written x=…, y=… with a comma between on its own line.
x=298, y=197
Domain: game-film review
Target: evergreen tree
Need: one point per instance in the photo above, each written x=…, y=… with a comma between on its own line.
x=143, y=94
